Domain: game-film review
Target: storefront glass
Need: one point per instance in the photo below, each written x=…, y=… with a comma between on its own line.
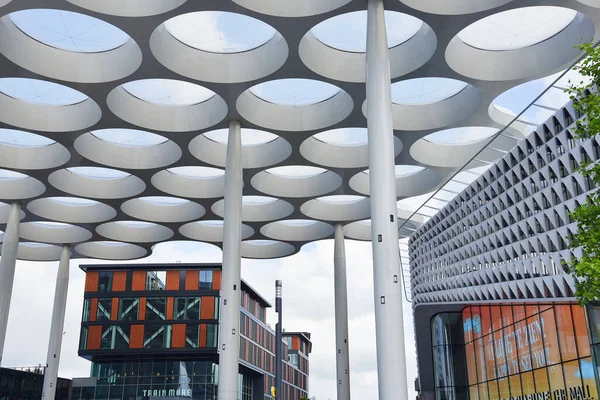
x=185, y=379
x=532, y=351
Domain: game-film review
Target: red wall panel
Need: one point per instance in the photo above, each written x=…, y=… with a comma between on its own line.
x=178, y=337
x=191, y=279
x=91, y=281
x=119, y=280
x=172, y=280
x=94, y=337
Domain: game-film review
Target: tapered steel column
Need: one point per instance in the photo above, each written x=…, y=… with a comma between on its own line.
x=57, y=326
x=391, y=362
x=8, y=261
x=341, y=316
x=230, y=288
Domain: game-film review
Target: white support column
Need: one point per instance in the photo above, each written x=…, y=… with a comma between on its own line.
x=229, y=343
x=8, y=261
x=57, y=325
x=341, y=316
x=391, y=362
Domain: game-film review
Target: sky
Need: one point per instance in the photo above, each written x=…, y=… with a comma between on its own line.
x=31, y=310
x=310, y=271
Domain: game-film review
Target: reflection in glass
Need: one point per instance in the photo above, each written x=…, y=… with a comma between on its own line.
x=128, y=309
x=104, y=309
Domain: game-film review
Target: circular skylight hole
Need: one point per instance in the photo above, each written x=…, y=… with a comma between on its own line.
x=168, y=92
x=98, y=173
x=423, y=91
x=74, y=201
x=517, y=28
x=39, y=92
x=344, y=137
x=258, y=200
x=295, y=92
x=8, y=175
x=129, y=137
x=250, y=137
x=197, y=172
x=219, y=32
x=164, y=201
x=69, y=31
x=298, y=222
x=14, y=138
x=404, y=170
x=296, y=171
x=341, y=199
x=461, y=136
x=348, y=32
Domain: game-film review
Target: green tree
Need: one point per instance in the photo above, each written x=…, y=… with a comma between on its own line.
x=586, y=101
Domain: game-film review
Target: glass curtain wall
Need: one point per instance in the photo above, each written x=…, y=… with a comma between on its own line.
x=181, y=379
x=528, y=350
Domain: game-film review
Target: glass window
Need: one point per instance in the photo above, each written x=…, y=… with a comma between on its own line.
x=511, y=350
x=523, y=349
x=594, y=314
x=572, y=374
x=180, y=306
x=503, y=388
x=540, y=377
x=589, y=379
x=104, y=309
x=496, y=317
x=83, y=338
x=536, y=331
x=211, y=336
x=87, y=304
x=552, y=349
x=156, y=308
x=206, y=278
x=566, y=335
x=581, y=332
x=467, y=324
x=105, y=281
x=473, y=393
x=128, y=309
x=480, y=360
x=157, y=337
x=193, y=308
x=515, y=385
x=192, y=336
x=527, y=383
x=555, y=377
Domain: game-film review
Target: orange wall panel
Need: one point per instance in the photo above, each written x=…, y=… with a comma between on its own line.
x=295, y=343
x=93, y=309
x=114, y=309
x=178, y=337
x=203, y=335
x=142, y=313
x=191, y=279
x=136, y=339
x=216, y=284
x=208, y=308
x=91, y=281
x=94, y=337
x=170, y=308
x=172, y=280
x=138, y=281
x=119, y=281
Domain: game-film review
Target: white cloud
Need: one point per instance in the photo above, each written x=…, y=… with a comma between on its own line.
x=308, y=306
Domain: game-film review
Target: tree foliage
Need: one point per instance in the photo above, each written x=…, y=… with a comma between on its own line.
x=586, y=101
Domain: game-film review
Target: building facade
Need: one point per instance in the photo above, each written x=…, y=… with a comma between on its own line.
x=495, y=313
x=26, y=384
x=151, y=331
